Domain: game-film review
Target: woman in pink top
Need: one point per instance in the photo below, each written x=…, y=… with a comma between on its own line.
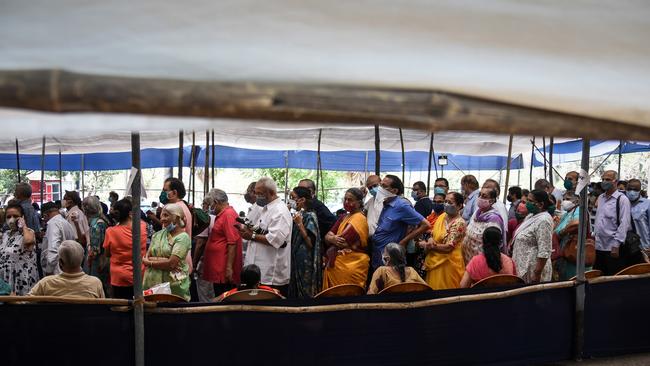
x=490, y=262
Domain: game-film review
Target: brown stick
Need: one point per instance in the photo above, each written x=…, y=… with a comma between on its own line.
x=364, y=306
x=62, y=91
x=63, y=299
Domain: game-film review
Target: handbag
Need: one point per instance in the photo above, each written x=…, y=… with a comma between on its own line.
x=570, y=250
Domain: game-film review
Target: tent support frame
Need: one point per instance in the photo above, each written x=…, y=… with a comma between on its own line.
x=138, y=304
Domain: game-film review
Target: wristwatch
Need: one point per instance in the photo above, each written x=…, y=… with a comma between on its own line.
x=253, y=237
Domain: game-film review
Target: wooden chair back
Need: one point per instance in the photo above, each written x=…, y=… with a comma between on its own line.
x=252, y=295
x=499, y=281
x=637, y=269
x=341, y=291
x=406, y=287
x=589, y=274
x=164, y=298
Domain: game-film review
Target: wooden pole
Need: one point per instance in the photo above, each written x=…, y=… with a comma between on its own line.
x=583, y=228
x=60, y=175
x=532, y=159
x=62, y=91
x=206, y=173
x=286, y=175
x=181, y=139
x=401, y=140
x=550, y=162
x=620, y=157
x=42, y=170
x=544, y=153
x=17, y=160
x=508, y=165
x=138, y=311
x=429, y=167
x=83, y=173
x=214, y=157
x=377, y=151
x=318, y=164
x=193, y=167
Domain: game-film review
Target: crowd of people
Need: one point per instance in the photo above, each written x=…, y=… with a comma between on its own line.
x=298, y=247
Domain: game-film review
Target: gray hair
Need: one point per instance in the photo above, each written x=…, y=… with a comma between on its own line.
x=612, y=172
x=91, y=206
x=23, y=190
x=71, y=253
x=217, y=195
x=269, y=184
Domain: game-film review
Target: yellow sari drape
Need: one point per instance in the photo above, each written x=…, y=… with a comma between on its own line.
x=351, y=266
x=445, y=270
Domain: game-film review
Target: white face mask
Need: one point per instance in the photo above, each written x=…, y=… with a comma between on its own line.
x=567, y=205
x=383, y=193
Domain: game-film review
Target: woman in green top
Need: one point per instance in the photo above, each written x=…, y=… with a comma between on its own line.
x=165, y=259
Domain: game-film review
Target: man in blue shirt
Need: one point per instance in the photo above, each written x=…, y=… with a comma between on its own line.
x=469, y=186
x=640, y=213
x=395, y=218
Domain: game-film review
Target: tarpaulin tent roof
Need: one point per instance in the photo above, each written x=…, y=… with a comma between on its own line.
x=571, y=151
x=585, y=58
x=230, y=157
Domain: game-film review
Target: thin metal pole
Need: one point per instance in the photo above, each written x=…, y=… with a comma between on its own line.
x=620, y=156
x=401, y=140
x=519, y=172
x=550, y=161
x=206, y=173
x=213, y=157
x=377, y=153
x=83, y=173
x=138, y=313
x=18, y=160
x=582, y=237
x=508, y=165
x=181, y=138
x=42, y=170
x=286, y=175
x=532, y=159
x=429, y=168
x=60, y=175
x=318, y=163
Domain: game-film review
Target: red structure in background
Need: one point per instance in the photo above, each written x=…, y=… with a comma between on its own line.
x=51, y=191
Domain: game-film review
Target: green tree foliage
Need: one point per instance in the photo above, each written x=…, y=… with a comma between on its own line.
x=330, y=180
x=9, y=178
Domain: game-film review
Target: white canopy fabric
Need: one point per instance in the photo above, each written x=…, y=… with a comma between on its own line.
x=88, y=133
x=589, y=57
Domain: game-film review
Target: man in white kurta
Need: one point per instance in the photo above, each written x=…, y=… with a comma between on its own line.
x=271, y=251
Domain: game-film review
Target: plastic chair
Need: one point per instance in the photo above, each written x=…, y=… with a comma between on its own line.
x=406, y=287
x=589, y=274
x=637, y=269
x=252, y=295
x=164, y=298
x=499, y=280
x=341, y=291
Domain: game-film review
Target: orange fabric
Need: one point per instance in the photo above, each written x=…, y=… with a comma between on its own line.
x=433, y=218
x=118, y=241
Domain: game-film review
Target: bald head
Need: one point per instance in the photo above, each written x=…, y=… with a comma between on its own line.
x=372, y=181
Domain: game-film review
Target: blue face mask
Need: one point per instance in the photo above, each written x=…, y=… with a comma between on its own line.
x=606, y=185
x=633, y=196
x=170, y=228
x=163, y=198
x=438, y=208
x=414, y=195
x=568, y=185
x=373, y=191
x=439, y=190
x=261, y=201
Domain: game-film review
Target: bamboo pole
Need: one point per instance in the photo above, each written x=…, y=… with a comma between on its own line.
x=181, y=139
x=401, y=140
x=83, y=173
x=138, y=311
x=63, y=91
x=206, y=173
x=363, y=306
x=62, y=300
x=429, y=167
x=377, y=151
x=580, y=263
x=214, y=157
x=42, y=170
x=192, y=184
x=286, y=176
x=620, y=157
x=17, y=160
x=544, y=154
x=532, y=160
x=60, y=175
x=550, y=162
x=318, y=165
x=508, y=165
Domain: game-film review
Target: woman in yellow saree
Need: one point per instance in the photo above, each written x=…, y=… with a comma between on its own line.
x=444, y=262
x=347, y=259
